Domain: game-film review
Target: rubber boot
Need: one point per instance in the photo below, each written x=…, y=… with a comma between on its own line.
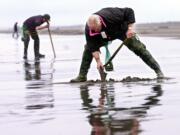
x=25, y=39
x=85, y=65
x=159, y=74
x=36, y=48
x=135, y=45
x=26, y=44
x=41, y=55
x=25, y=53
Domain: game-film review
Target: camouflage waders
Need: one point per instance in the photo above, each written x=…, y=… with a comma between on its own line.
x=26, y=39
x=85, y=65
x=135, y=45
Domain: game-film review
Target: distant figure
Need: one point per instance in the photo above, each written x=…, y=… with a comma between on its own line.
x=30, y=27
x=15, y=31
x=106, y=25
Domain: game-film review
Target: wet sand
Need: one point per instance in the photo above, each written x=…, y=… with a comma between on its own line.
x=35, y=101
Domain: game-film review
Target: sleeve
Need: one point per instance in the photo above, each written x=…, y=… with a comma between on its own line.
x=92, y=47
x=92, y=43
x=129, y=16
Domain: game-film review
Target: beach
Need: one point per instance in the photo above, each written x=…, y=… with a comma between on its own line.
x=34, y=99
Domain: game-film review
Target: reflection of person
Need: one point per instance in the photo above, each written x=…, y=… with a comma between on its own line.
x=29, y=75
x=15, y=31
x=106, y=25
x=106, y=118
x=101, y=119
x=30, y=27
x=39, y=93
x=99, y=125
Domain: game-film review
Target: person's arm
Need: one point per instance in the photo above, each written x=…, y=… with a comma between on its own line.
x=130, y=19
x=42, y=27
x=96, y=56
x=130, y=31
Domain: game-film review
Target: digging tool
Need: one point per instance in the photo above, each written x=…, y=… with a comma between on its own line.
x=114, y=54
x=51, y=42
x=102, y=73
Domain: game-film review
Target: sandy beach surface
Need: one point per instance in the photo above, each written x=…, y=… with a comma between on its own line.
x=35, y=102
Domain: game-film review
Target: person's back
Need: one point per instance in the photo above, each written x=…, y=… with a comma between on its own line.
x=34, y=21
x=116, y=22
x=116, y=15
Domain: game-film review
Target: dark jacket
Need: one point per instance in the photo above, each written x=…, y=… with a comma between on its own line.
x=32, y=22
x=116, y=21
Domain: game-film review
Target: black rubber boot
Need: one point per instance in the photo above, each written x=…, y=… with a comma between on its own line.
x=26, y=44
x=36, y=48
x=41, y=55
x=36, y=52
x=159, y=74
x=79, y=78
x=25, y=39
x=140, y=50
x=85, y=65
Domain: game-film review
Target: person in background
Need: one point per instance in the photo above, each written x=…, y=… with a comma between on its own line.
x=15, y=31
x=30, y=27
x=107, y=25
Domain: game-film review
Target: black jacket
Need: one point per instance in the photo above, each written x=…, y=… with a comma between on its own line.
x=116, y=20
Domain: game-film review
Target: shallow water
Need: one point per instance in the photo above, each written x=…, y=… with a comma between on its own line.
x=33, y=103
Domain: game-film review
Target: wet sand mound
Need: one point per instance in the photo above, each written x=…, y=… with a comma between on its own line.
x=136, y=79
x=126, y=79
x=129, y=79
x=111, y=80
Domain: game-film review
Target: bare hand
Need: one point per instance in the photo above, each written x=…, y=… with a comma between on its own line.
x=100, y=65
x=130, y=33
x=47, y=26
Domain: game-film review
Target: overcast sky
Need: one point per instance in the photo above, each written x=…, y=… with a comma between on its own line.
x=72, y=12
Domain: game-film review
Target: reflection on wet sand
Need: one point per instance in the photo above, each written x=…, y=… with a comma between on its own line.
x=39, y=93
x=37, y=71
x=114, y=108
x=108, y=119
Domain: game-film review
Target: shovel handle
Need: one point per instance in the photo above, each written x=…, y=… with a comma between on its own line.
x=114, y=54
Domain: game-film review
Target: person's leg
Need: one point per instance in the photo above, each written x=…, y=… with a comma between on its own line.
x=17, y=34
x=25, y=39
x=140, y=50
x=35, y=37
x=13, y=34
x=85, y=65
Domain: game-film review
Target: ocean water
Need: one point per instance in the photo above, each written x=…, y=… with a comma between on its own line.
x=34, y=100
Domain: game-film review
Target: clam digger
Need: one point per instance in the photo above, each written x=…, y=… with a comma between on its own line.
x=107, y=25
x=30, y=27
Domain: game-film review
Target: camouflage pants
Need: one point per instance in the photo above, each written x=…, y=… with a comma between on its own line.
x=86, y=62
x=136, y=46
x=26, y=38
